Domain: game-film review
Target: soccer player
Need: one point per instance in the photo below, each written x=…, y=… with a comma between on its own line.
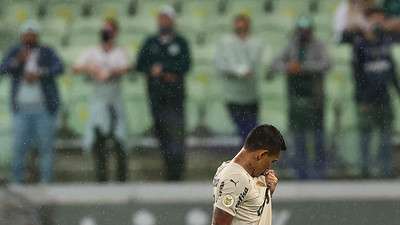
x=243, y=187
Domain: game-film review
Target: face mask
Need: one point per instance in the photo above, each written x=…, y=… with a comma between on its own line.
x=30, y=44
x=240, y=30
x=304, y=37
x=106, y=35
x=166, y=30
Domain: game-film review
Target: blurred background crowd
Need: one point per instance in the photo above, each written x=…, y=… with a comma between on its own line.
x=168, y=89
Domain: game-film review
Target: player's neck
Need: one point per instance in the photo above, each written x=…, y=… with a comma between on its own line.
x=243, y=160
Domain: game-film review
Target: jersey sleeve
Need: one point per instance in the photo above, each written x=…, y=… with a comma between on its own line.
x=231, y=192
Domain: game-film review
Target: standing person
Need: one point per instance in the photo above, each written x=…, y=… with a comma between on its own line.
x=33, y=69
x=165, y=60
x=374, y=70
x=350, y=16
x=243, y=187
x=305, y=61
x=106, y=131
x=237, y=60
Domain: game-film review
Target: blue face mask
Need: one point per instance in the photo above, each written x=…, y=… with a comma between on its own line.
x=166, y=30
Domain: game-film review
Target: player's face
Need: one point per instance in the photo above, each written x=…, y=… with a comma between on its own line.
x=165, y=23
x=29, y=38
x=108, y=32
x=241, y=26
x=265, y=161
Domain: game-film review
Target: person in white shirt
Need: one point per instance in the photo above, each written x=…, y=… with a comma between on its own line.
x=238, y=59
x=105, y=65
x=349, y=16
x=243, y=187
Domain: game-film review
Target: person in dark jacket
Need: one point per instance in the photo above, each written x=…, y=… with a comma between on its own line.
x=165, y=60
x=374, y=70
x=33, y=68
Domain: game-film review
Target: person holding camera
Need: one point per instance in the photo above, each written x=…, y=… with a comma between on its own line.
x=374, y=70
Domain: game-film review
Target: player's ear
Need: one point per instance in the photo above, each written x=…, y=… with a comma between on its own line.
x=262, y=153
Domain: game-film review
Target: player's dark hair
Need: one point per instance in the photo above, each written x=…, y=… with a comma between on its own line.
x=265, y=137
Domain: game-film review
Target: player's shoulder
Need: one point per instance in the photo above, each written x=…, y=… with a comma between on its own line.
x=231, y=171
x=180, y=38
x=151, y=39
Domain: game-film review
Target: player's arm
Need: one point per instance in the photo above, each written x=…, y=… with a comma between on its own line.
x=231, y=194
x=220, y=217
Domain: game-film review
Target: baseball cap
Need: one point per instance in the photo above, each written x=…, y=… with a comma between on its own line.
x=30, y=26
x=304, y=22
x=168, y=10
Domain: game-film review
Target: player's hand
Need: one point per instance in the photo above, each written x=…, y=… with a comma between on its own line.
x=103, y=75
x=96, y=72
x=156, y=70
x=272, y=180
x=91, y=70
x=170, y=77
x=293, y=68
x=31, y=77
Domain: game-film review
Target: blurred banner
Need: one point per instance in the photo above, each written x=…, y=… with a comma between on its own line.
x=320, y=203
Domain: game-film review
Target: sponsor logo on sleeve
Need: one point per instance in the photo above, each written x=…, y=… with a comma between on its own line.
x=221, y=187
x=241, y=197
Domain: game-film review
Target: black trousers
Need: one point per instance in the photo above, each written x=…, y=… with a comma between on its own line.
x=245, y=117
x=103, y=149
x=169, y=123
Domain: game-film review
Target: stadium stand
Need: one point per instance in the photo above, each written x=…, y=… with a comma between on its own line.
x=71, y=25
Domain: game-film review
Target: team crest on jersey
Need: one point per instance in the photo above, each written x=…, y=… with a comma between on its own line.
x=228, y=201
x=260, y=184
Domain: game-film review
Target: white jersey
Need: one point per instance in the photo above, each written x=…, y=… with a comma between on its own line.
x=244, y=197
